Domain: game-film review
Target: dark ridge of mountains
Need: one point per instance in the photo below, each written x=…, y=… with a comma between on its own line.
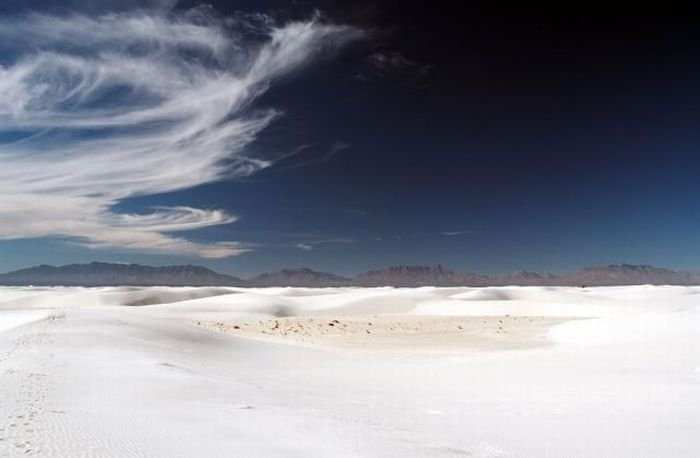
x=626, y=274
x=108, y=274
x=418, y=276
x=298, y=277
x=526, y=278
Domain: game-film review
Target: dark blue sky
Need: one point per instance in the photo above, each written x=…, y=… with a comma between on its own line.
x=485, y=138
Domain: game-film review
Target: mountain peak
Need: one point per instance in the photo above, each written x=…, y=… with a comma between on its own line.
x=99, y=273
x=302, y=276
x=409, y=275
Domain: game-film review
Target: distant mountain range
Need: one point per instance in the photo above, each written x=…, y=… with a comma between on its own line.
x=109, y=274
x=298, y=277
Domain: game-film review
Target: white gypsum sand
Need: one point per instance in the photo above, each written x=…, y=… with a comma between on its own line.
x=407, y=334
x=121, y=372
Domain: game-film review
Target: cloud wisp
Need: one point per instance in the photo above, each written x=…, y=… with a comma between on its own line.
x=309, y=245
x=96, y=110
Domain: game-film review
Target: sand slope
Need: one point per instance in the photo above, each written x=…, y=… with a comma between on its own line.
x=89, y=373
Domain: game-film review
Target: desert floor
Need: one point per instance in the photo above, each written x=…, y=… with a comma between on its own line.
x=415, y=372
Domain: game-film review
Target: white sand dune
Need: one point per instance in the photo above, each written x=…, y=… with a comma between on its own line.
x=14, y=318
x=122, y=372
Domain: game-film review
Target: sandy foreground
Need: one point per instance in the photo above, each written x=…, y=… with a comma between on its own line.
x=280, y=372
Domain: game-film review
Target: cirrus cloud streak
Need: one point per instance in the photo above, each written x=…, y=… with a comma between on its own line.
x=97, y=110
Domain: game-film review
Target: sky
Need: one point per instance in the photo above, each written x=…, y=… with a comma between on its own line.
x=249, y=136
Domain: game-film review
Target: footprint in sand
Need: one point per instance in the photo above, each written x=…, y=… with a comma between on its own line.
x=242, y=407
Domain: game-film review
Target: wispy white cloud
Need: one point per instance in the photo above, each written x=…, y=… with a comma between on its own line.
x=309, y=245
x=308, y=155
x=106, y=108
x=454, y=233
x=392, y=65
